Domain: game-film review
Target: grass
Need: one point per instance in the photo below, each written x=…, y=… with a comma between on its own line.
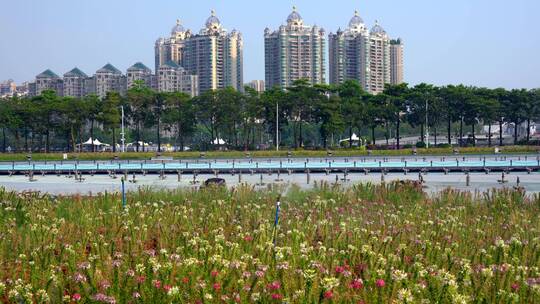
x=266, y=153
x=368, y=244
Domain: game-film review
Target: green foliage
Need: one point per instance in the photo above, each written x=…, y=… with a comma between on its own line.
x=310, y=116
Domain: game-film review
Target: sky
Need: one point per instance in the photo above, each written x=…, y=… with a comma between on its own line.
x=492, y=43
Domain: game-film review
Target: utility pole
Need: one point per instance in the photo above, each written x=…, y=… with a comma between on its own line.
x=123, y=133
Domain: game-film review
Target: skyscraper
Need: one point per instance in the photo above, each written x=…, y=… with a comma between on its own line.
x=74, y=83
x=295, y=51
x=363, y=55
x=109, y=79
x=379, y=59
x=349, y=53
x=214, y=55
x=172, y=48
x=396, y=61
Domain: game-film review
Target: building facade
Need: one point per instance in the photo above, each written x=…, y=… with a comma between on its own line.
x=8, y=88
x=48, y=80
x=294, y=51
x=173, y=78
x=213, y=55
x=109, y=79
x=396, y=61
x=75, y=83
x=362, y=55
x=172, y=48
x=139, y=72
x=349, y=53
x=257, y=85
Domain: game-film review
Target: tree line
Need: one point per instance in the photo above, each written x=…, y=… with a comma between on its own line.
x=243, y=119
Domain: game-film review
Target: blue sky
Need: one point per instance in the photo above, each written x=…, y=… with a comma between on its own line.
x=492, y=43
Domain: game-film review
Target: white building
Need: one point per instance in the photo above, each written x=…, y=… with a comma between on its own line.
x=109, y=79
x=295, y=51
x=173, y=78
x=369, y=57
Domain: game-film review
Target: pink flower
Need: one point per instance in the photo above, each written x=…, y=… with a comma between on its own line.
x=167, y=288
x=248, y=238
x=514, y=286
x=214, y=273
x=136, y=295
x=79, y=278
x=328, y=294
x=76, y=297
x=277, y=296
x=157, y=284
x=356, y=284
x=273, y=286
x=380, y=283
x=105, y=284
x=259, y=273
x=217, y=286
x=83, y=265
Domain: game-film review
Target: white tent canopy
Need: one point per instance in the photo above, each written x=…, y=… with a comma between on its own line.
x=94, y=142
x=354, y=137
x=218, y=141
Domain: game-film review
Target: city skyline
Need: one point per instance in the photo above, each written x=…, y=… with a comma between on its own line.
x=470, y=38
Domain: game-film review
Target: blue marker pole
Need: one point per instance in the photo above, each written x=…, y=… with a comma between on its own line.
x=276, y=220
x=123, y=194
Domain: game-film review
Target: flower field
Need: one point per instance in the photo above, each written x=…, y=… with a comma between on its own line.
x=367, y=244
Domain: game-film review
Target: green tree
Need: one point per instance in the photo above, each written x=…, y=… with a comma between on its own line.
x=353, y=108
x=109, y=116
x=397, y=105
x=180, y=116
x=140, y=99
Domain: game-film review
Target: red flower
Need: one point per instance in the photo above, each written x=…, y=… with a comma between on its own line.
x=214, y=273
x=76, y=297
x=277, y=296
x=340, y=269
x=380, y=283
x=217, y=287
x=356, y=284
x=248, y=238
x=274, y=285
x=515, y=286
x=328, y=294
x=167, y=288
x=185, y=280
x=141, y=279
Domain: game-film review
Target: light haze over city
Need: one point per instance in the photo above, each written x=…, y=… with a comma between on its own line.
x=491, y=43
